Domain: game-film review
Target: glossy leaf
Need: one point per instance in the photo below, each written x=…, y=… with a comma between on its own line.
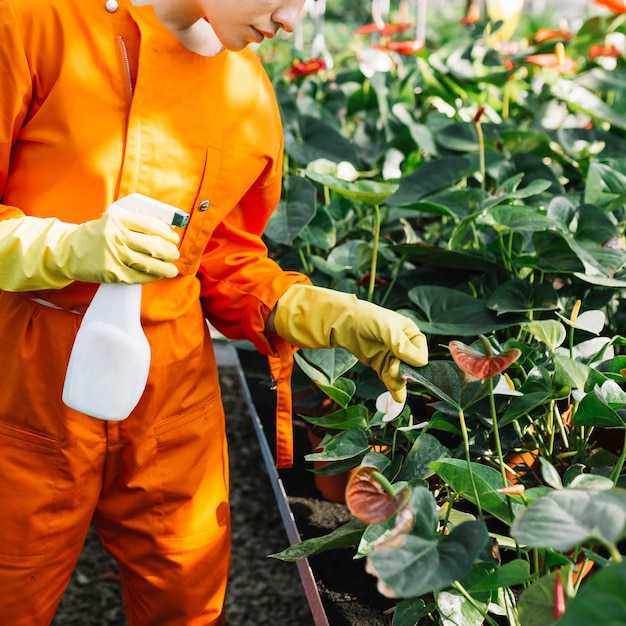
x=509, y=574
x=345, y=536
x=294, y=212
x=446, y=381
x=425, y=450
x=563, y=519
x=550, y=332
x=368, y=191
x=424, y=563
x=333, y=362
x=451, y=312
x=487, y=479
x=354, y=416
x=454, y=608
x=346, y=445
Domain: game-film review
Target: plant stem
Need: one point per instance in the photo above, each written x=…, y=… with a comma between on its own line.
x=469, y=462
x=496, y=433
x=384, y=483
x=468, y=597
x=370, y=291
x=481, y=153
x=617, y=470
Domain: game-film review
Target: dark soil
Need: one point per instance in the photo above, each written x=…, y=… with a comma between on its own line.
x=348, y=593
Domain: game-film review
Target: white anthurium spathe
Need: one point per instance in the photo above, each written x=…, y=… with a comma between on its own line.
x=319, y=50
x=343, y=170
x=504, y=387
x=389, y=407
x=589, y=321
x=346, y=171
x=372, y=60
x=392, y=163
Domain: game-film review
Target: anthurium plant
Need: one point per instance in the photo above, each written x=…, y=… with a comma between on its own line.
x=477, y=185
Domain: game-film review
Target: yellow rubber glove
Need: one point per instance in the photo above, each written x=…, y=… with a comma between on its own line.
x=313, y=317
x=120, y=247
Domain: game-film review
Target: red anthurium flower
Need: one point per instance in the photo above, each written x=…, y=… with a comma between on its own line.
x=603, y=51
x=559, y=596
x=367, y=499
x=412, y=46
x=305, y=68
x=383, y=29
x=558, y=61
x=612, y=5
x=512, y=490
x=545, y=34
x=479, y=366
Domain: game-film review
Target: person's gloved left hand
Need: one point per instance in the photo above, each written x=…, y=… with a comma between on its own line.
x=313, y=317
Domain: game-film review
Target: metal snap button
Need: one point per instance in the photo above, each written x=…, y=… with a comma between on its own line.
x=204, y=205
x=111, y=6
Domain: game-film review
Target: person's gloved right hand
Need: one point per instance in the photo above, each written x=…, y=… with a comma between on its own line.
x=120, y=247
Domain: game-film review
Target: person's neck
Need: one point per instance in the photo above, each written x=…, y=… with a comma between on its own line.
x=199, y=38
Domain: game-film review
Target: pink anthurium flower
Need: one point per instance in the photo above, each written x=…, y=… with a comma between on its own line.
x=407, y=47
x=479, y=366
x=558, y=61
x=382, y=29
x=370, y=496
x=596, y=51
x=545, y=34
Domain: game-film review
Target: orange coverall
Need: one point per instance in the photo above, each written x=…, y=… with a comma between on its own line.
x=98, y=103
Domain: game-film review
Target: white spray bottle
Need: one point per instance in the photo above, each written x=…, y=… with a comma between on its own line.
x=110, y=360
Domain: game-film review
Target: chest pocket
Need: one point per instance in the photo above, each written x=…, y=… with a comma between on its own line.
x=196, y=234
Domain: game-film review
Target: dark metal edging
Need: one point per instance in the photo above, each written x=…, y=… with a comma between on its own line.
x=289, y=522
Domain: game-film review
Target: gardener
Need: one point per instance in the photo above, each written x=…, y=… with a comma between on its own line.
x=100, y=99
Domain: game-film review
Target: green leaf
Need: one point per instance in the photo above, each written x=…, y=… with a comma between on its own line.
x=343, y=537
x=581, y=99
x=488, y=480
x=454, y=608
x=333, y=362
x=563, y=519
x=570, y=372
x=368, y=191
x=536, y=604
x=451, y=312
x=451, y=259
x=409, y=612
x=432, y=176
x=550, y=332
x=422, y=564
x=345, y=445
x=519, y=296
x=293, y=213
x=446, y=380
x=594, y=410
x=425, y=450
x=310, y=139
x=355, y=416
x=513, y=573
x=519, y=218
